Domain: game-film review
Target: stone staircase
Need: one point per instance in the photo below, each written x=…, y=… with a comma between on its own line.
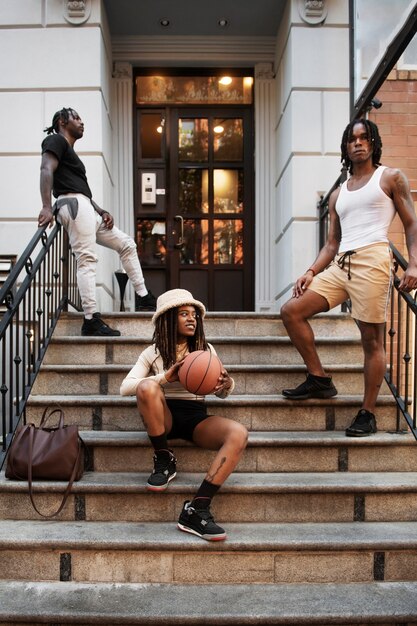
x=321, y=528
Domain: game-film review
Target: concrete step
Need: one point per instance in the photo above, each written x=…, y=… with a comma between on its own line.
x=227, y=324
x=252, y=553
x=256, y=412
x=242, y=350
x=379, y=603
x=249, y=379
x=245, y=497
x=266, y=452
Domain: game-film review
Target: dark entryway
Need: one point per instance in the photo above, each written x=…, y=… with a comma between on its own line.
x=194, y=201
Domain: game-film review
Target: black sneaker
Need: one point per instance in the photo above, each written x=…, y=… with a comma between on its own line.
x=164, y=470
x=363, y=425
x=200, y=522
x=312, y=387
x=98, y=328
x=146, y=303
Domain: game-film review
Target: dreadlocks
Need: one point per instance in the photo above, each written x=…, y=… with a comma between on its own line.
x=165, y=336
x=64, y=115
x=372, y=135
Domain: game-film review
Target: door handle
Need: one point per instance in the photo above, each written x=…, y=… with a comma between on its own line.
x=180, y=243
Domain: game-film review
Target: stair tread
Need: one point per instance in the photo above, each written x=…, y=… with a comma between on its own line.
x=258, y=438
x=236, y=399
x=131, y=603
x=20, y=535
x=236, y=339
x=242, y=482
x=231, y=367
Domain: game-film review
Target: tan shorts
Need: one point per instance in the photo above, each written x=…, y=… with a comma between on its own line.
x=369, y=287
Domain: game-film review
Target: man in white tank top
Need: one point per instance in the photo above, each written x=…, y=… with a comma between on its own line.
x=355, y=263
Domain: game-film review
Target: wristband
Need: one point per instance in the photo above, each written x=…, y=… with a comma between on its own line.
x=310, y=269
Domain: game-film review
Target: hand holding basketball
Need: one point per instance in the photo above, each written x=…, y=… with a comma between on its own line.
x=200, y=372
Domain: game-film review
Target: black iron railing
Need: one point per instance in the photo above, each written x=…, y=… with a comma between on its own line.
x=401, y=346
x=401, y=335
x=32, y=299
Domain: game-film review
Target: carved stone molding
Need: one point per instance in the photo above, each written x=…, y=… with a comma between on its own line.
x=312, y=11
x=77, y=11
x=264, y=71
x=122, y=71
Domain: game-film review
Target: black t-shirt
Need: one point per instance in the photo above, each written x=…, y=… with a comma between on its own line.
x=70, y=175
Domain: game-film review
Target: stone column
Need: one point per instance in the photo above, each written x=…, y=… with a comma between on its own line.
x=123, y=207
x=264, y=187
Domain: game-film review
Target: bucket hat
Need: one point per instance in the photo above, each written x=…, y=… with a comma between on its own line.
x=175, y=298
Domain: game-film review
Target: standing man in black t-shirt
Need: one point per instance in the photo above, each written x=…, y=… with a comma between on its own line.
x=63, y=174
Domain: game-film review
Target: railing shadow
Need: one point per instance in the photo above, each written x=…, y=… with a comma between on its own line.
x=33, y=297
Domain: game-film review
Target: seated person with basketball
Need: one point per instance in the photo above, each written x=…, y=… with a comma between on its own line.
x=170, y=411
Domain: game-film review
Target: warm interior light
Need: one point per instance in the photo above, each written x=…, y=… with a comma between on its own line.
x=218, y=129
x=225, y=80
x=248, y=81
x=159, y=130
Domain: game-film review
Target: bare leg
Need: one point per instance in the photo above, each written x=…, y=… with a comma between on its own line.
x=158, y=423
x=225, y=435
x=295, y=314
x=372, y=336
x=153, y=408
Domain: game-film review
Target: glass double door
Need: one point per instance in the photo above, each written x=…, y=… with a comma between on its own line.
x=194, y=202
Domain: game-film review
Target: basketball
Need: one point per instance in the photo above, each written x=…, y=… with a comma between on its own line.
x=200, y=372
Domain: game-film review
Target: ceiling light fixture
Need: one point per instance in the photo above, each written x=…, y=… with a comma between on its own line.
x=164, y=22
x=218, y=129
x=225, y=80
x=223, y=22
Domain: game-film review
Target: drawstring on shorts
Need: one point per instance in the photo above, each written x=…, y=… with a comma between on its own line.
x=346, y=258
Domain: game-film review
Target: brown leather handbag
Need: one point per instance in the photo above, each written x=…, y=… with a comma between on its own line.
x=42, y=453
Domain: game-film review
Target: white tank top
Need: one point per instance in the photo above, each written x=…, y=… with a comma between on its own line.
x=365, y=214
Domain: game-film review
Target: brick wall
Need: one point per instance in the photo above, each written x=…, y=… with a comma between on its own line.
x=397, y=123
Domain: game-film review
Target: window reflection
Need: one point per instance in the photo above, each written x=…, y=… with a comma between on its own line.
x=193, y=190
x=152, y=242
x=228, y=191
x=228, y=139
x=228, y=242
x=151, y=134
x=195, y=249
x=193, y=139
x=194, y=89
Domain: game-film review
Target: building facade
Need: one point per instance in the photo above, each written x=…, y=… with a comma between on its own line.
x=56, y=53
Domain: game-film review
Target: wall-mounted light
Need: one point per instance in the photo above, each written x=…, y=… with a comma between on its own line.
x=225, y=80
x=223, y=22
x=164, y=22
x=218, y=129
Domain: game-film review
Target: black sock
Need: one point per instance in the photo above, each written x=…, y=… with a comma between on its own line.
x=205, y=493
x=160, y=442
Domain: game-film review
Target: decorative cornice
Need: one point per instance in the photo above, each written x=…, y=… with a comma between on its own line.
x=264, y=71
x=248, y=50
x=122, y=71
x=77, y=11
x=312, y=11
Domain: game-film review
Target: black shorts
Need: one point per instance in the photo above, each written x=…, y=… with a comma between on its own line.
x=186, y=415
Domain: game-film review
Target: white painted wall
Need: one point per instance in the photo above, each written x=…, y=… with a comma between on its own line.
x=47, y=63
x=312, y=92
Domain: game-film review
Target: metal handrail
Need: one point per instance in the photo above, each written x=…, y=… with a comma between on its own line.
x=33, y=297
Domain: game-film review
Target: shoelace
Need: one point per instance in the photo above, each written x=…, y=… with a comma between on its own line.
x=161, y=463
x=346, y=256
x=203, y=513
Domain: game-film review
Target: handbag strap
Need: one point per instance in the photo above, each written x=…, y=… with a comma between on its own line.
x=45, y=417
x=71, y=480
